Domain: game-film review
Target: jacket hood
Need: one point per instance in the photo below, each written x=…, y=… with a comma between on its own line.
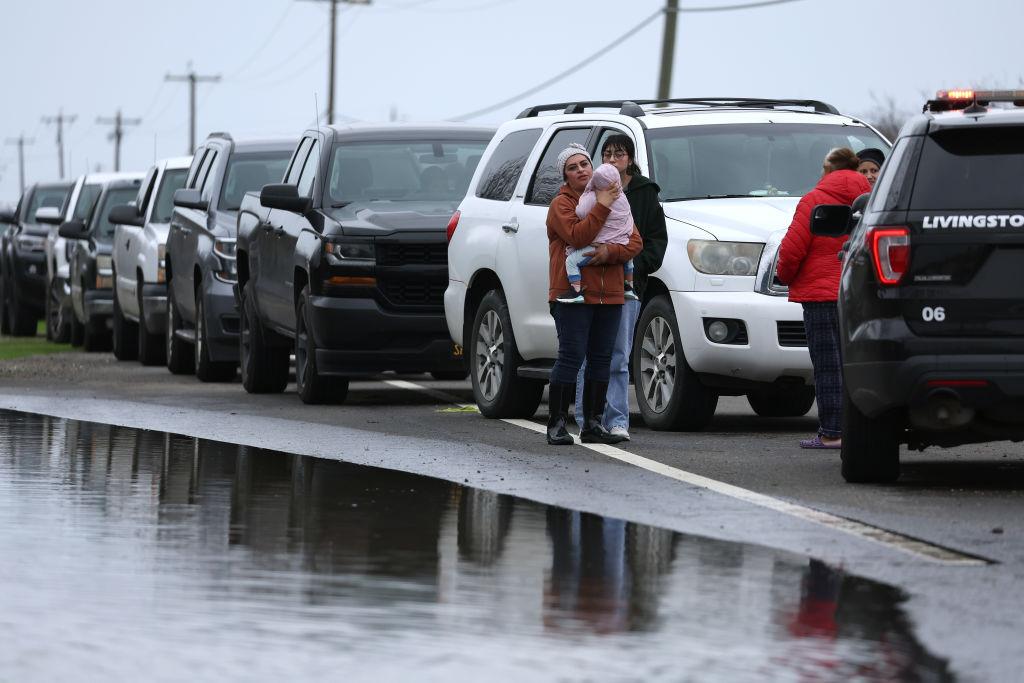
x=385, y=218
x=743, y=219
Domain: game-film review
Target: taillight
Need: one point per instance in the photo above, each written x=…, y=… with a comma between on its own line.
x=890, y=252
x=452, y=224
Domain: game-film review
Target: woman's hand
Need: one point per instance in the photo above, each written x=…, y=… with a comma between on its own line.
x=600, y=256
x=607, y=196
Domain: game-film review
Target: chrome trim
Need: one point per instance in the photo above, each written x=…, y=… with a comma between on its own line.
x=764, y=281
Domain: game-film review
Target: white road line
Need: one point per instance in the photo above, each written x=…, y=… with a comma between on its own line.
x=906, y=544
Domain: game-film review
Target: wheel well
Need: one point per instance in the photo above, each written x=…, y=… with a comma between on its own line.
x=483, y=282
x=653, y=288
x=301, y=279
x=242, y=264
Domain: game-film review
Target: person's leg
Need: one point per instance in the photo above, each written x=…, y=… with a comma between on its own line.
x=603, y=331
x=572, y=323
x=616, y=413
x=576, y=259
x=821, y=327
x=579, y=394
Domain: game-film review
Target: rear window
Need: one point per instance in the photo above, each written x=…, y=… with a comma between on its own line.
x=979, y=169
x=503, y=169
x=46, y=197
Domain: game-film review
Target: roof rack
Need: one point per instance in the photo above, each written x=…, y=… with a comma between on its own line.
x=635, y=108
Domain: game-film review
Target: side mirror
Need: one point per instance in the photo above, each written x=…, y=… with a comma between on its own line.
x=284, y=197
x=125, y=214
x=190, y=198
x=73, y=230
x=7, y=216
x=50, y=215
x=831, y=220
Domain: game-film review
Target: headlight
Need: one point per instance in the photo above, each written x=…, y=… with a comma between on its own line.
x=350, y=250
x=161, y=263
x=31, y=243
x=103, y=263
x=225, y=249
x=724, y=258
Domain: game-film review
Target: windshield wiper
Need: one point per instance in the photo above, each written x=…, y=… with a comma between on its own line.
x=710, y=196
x=340, y=205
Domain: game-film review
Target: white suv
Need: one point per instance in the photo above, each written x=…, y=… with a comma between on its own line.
x=715, y=321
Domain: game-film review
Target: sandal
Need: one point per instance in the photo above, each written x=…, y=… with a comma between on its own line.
x=816, y=442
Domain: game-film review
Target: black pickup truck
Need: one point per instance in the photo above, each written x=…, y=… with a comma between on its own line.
x=345, y=264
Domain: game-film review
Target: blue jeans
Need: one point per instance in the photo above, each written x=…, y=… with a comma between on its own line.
x=578, y=258
x=585, y=332
x=821, y=323
x=616, y=411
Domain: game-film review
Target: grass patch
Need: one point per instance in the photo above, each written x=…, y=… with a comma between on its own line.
x=20, y=347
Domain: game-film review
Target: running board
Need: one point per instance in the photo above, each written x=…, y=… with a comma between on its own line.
x=537, y=370
x=186, y=335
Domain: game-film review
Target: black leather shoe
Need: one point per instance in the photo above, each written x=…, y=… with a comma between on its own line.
x=559, y=398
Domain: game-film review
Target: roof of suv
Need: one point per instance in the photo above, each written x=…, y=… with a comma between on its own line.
x=415, y=129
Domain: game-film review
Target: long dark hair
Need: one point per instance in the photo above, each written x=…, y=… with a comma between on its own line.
x=625, y=143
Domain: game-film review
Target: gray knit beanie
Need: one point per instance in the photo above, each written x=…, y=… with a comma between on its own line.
x=572, y=150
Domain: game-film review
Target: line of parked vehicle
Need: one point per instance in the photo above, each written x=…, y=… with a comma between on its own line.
x=358, y=249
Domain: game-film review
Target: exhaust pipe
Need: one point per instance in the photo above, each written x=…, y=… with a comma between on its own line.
x=942, y=409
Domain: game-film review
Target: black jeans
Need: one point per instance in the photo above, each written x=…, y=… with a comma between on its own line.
x=585, y=331
x=821, y=323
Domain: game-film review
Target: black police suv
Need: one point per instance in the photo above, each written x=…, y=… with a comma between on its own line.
x=931, y=300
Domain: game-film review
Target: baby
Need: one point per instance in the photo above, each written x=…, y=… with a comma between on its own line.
x=616, y=230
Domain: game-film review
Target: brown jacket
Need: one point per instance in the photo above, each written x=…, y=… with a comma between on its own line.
x=601, y=284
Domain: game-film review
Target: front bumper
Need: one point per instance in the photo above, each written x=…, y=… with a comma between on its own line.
x=356, y=337
x=29, y=271
x=762, y=358
x=154, y=307
x=99, y=304
x=221, y=320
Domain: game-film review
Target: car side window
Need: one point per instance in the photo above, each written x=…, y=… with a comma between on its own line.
x=503, y=169
x=605, y=134
x=145, y=191
x=198, y=162
x=298, y=161
x=207, y=175
x=892, y=191
x=309, y=170
x=546, y=178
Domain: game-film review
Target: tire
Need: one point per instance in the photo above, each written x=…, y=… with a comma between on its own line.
x=311, y=386
x=782, y=403
x=180, y=358
x=96, y=336
x=264, y=368
x=76, y=336
x=871, y=445
x=21, y=319
x=152, y=347
x=57, y=328
x=450, y=375
x=494, y=360
x=124, y=337
x=208, y=370
x=670, y=394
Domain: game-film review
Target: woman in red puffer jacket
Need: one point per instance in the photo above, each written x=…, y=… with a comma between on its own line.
x=810, y=265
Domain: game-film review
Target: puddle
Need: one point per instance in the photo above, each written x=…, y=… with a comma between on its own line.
x=131, y=554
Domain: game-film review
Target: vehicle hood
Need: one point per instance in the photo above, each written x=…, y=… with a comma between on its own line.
x=225, y=223
x=743, y=219
x=159, y=231
x=385, y=218
x=38, y=229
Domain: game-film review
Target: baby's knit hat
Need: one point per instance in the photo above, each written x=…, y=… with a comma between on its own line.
x=572, y=150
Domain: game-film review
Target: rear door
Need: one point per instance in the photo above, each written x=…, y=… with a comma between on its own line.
x=966, y=219
x=126, y=245
x=181, y=239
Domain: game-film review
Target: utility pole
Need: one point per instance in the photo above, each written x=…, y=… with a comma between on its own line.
x=192, y=78
x=668, y=48
x=60, y=119
x=119, y=122
x=331, y=52
x=21, y=141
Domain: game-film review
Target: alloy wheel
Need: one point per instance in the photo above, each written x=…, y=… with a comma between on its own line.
x=490, y=355
x=658, y=364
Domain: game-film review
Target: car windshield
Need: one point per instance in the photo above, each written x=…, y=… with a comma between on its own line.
x=86, y=201
x=103, y=229
x=748, y=160
x=417, y=170
x=249, y=172
x=173, y=179
x=47, y=196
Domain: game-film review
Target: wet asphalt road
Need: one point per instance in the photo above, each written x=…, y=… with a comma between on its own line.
x=968, y=499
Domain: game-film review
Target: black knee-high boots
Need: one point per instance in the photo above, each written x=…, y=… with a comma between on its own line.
x=559, y=397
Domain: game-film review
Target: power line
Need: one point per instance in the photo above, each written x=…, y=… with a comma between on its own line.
x=332, y=49
x=730, y=8
x=192, y=78
x=59, y=120
x=119, y=122
x=252, y=58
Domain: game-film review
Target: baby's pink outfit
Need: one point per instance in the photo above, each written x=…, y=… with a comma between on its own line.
x=619, y=226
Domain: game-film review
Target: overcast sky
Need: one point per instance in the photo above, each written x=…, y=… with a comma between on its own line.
x=436, y=59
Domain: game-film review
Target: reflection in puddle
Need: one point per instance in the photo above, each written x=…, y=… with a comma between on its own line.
x=128, y=554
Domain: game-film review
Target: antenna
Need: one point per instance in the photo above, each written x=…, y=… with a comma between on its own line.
x=316, y=109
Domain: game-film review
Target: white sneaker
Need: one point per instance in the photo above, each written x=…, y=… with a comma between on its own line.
x=619, y=431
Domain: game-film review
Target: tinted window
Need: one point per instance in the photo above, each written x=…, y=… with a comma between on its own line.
x=102, y=228
x=971, y=169
x=747, y=160
x=146, y=190
x=249, y=172
x=172, y=180
x=547, y=179
x=417, y=170
x=309, y=171
x=46, y=196
x=503, y=169
x=298, y=162
x=206, y=175
x=86, y=201
x=892, y=190
x=198, y=167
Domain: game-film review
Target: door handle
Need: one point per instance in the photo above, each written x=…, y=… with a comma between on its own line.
x=127, y=244
x=511, y=227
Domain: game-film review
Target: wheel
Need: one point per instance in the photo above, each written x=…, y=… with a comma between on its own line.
x=58, y=328
x=670, y=394
x=180, y=359
x=208, y=370
x=871, y=445
x=76, y=335
x=792, y=402
x=311, y=386
x=497, y=388
x=22, y=321
x=450, y=375
x=96, y=336
x=152, y=347
x=264, y=367
x=125, y=334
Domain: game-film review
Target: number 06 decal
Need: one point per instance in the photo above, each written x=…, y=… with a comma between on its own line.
x=936, y=314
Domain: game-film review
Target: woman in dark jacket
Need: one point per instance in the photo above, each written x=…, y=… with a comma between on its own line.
x=810, y=266
x=645, y=205
x=587, y=330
